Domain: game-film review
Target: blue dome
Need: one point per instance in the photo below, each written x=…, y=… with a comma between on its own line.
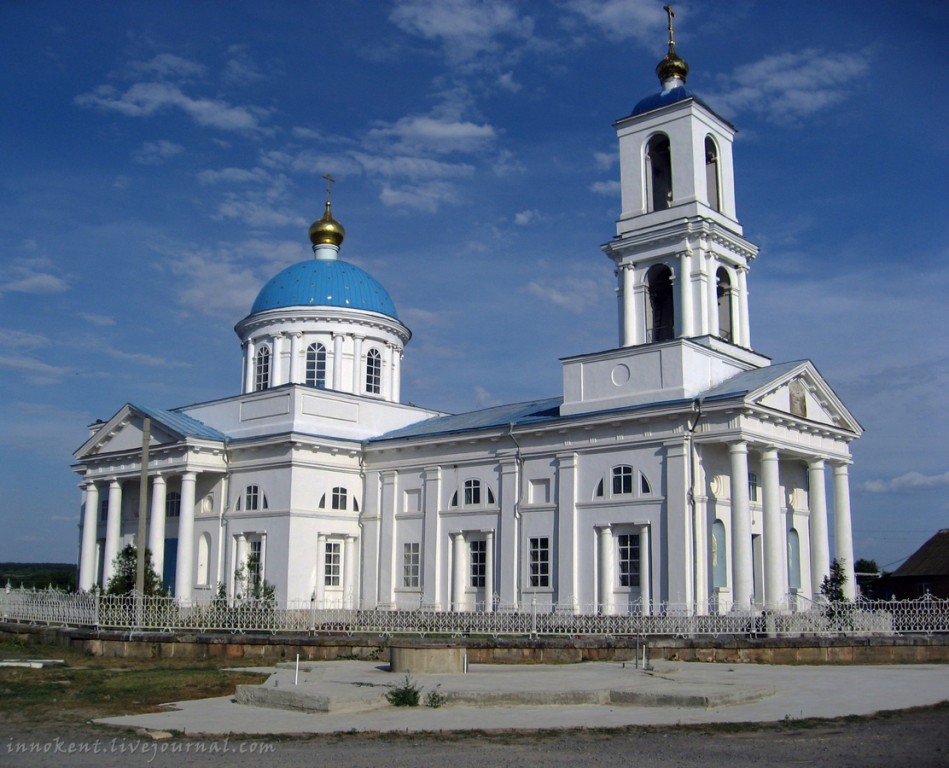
x=661, y=99
x=325, y=283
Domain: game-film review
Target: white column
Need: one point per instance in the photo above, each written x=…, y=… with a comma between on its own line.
x=702, y=280
x=113, y=529
x=605, y=536
x=396, y=375
x=685, y=295
x=319, y=588
x=357, y=366
x=817, y=525
x=742, y=575
x=645, y=582
x=184, y=573
x=385, y=375
x=458, y=568
x=775, y=546
x=295, y=377
x=250, y=349
x=350, y=587
x=276, y=362
x=156, y=530
x=712, y=299
x=640, y=300
x=628, y=328
x=90, y=525
x=744, y=326
x=489, y=571
x=337, y=362
x=843, y=535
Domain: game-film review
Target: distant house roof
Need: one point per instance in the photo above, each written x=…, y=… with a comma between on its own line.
x=931, y=559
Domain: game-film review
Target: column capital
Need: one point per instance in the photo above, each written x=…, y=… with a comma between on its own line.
x=816, y=463
x=739, y=446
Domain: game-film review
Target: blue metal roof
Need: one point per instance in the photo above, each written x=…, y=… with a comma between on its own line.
x=499, y=416
x=325, y=283
x=184, y=425
x=749, y=381
x=661, y=99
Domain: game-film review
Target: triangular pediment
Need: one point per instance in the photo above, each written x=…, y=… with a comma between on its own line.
x=802, y=393
x=123, y=432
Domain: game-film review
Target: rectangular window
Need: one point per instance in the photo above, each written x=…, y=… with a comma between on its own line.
x=479, y=560
x=628, y=559
x=253, y=562
x=103, y=509
x=752, y=486
x=339, y=498
x=410, y=565
x=251, y=498
x=331, y=564
x=539, y=558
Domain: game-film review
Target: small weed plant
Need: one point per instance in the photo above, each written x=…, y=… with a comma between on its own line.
x=406, y=694
x=435, y=698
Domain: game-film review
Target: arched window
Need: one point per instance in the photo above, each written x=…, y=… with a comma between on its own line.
x=622, y=480
x=719, y=555
x=712, y=184
x=173, y=504
x=658, y=173
x=339, y=498
x=472, y=492
x=253, y=499
x=316, y=365
x=723, y=289
x=373, y=372
x=660, y=311
x=262, y=369
x=598, y=493
x=204, y=559
x=794, y=560
x=644, y=485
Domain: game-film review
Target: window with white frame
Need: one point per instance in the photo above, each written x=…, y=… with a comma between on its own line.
x=339, y=499
x=622, y=480
x=254, y=562
x=472, y=492
x=173, y=504
x=539, y=561
x=627, y=559
x=478, y=550
x=262, y=369
x=316, y=365
x=411, y=564
x=332, y=560
x=752, y=486
x=373, y=372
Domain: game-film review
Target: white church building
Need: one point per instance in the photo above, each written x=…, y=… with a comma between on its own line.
x=679, y=467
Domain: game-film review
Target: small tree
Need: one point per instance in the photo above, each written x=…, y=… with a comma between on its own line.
x=249, y=585
x=832, y=587
x=124, y=569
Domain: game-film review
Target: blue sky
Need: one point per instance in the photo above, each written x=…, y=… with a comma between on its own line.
x=162, y=160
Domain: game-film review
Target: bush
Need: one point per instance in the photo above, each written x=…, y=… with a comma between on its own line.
x=404, y=695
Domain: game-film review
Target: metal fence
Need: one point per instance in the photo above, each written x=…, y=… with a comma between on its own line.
x=163, y=614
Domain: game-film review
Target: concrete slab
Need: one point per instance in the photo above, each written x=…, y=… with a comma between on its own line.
x=503, y=697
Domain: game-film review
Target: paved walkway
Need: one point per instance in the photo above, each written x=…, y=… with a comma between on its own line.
x=350, y=696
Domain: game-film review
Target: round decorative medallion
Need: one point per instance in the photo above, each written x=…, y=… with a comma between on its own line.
x=620, y=375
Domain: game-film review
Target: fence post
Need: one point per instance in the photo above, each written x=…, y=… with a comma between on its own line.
x=98, y=596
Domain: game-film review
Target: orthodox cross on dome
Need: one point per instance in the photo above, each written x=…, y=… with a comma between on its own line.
x=329, y=191
x=672, y=35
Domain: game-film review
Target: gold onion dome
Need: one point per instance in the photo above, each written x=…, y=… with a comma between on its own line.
x=326, y=230
x=672, y=66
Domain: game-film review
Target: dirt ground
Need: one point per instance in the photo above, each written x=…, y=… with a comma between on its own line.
x=917, y=738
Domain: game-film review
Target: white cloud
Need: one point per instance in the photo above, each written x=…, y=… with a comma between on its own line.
x=411, y=167
x=34, y=370
x=623, y=19
x=523, y=218
x=506, y=82
x=605, y=187
x=786, y=87
x=465, y=28
x=156, y=152
x=911, y=481
x=426, y=197
x=99, y=320
x=436, y=134
x=574, y=295
x=167, y=65
x=13, y=339
x=605, y=160
x=146, y=99
x=240, y=68
x=32, y=275
x=232, y=176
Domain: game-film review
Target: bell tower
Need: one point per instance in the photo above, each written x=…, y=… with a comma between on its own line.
x=681, y=258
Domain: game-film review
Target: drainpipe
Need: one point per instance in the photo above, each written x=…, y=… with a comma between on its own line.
x=692, y=459
x=222, y=522
x=518, y=473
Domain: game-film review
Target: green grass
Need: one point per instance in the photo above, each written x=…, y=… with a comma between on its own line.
x=89, y=687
